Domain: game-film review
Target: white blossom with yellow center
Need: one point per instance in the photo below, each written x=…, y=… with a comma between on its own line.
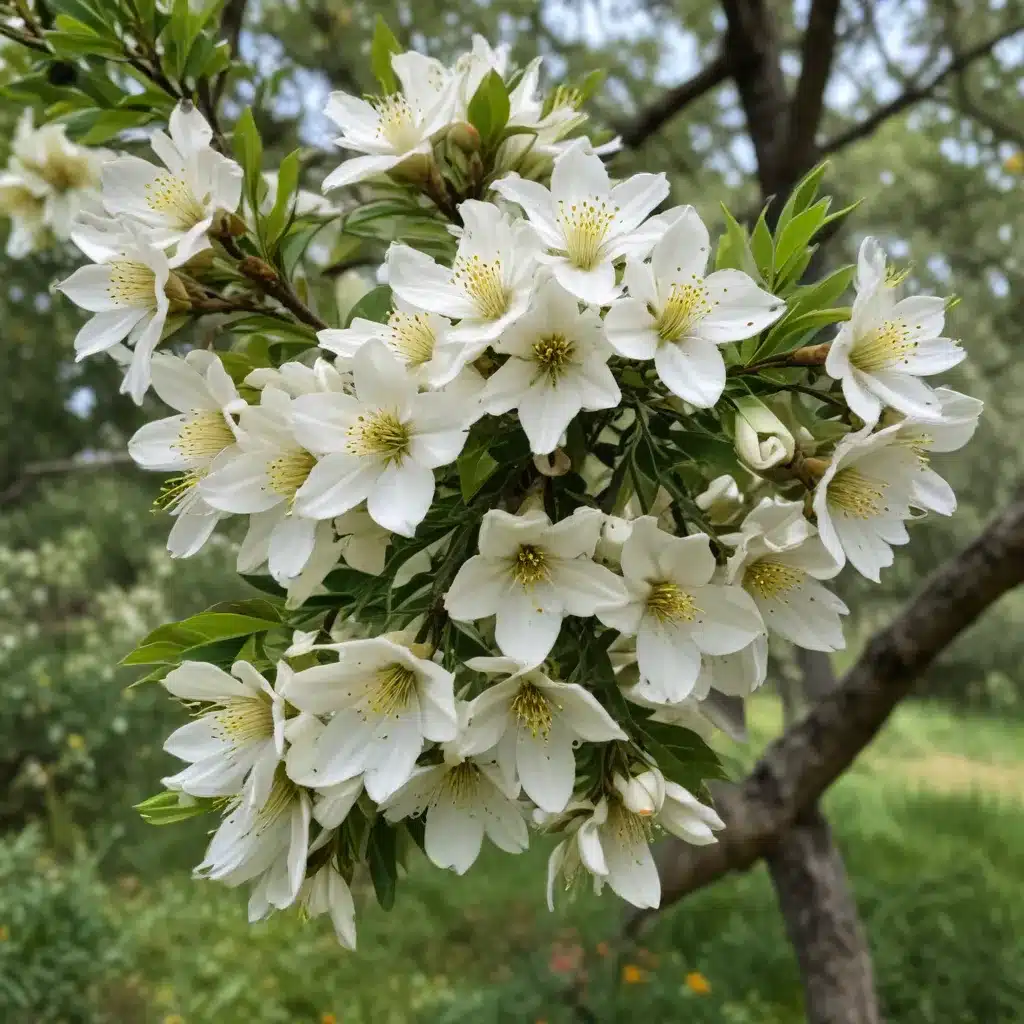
x=530, y=574
x=585, y=223
x=236, y=740
x=380, y=445
x=384, y=701
x=422, y=341
x=265, y=844
x=881, y=354
x=557, y=366
x=675, y=611
x=259, y=476
x=779, y=559
x=863, y=498
x=679, y=317
x=175, y=203
x=129, y=296
x=388, y=130
x=489, y=285
x=462, y=799
x=533, y=723
x=186, y=444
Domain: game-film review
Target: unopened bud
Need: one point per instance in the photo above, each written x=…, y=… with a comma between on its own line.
x=465, y=136
x=555, y=464
x=417, y=169
x=809, y=355
x=258, y=270
x=642, y=794
x=722, y=499
x=177, y=292
x=762, y=439
x=227, y=223
x=614, y=534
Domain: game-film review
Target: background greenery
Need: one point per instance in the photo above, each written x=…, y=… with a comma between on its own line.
x=98, y=919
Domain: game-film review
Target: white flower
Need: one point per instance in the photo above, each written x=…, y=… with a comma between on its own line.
x=887, y=346
x=259, y=475
x=265, y=844
x=388, y=130
x=643, y=794
x=762, y=439
x=530, y=574
x=380, y=445
x=462, y=802
x=958, y=419
x=490, y=281
x=327, y=892
x=236, y=744
x=778, y=560
x=332, y=803
x=385, y=702
x=296, y=378
x=863, y=497
x=557, y=366
x=47, y=180
x=585, y=223
x=129, y=299
x=687, y=818
x=676, y=613
x=205, y=397
x=534, y=722
x=420, y=340
x=678, y=317
x=721, y=500
x=175, y=203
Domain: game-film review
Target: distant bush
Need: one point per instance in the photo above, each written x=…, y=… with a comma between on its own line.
x=59, y=949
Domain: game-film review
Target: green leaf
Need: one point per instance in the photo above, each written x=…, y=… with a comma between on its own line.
x=804, y=193
x=475, y=468
x=75, y=44
x=375, y=305
x=249, y=153
x=382, y=49
x=84, y=13
x=681, y=754
x=164, y=653
x=221, y=625
x=782, y=335
x=170, y=807
x=287, y=185
x=795, y=236
x=734, y=248
x=381, y=858
x=763, y=248
x=488, y=110
x=112, y=122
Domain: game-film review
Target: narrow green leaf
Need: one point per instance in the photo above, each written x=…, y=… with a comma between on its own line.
x=382, y=49
x=287, y=186
x=804, y=193
x=249, y=153
x=164, y=653
x=221, y=625
x=112, y=122
x=475, y=467
x=382, y=860
x=734, y=248
x=763, y=248
x=796, y=235
x=787, y=330
x=170, y=807
x=375, y=305
x=74, y=44
x=488, y=110
x=85, y=13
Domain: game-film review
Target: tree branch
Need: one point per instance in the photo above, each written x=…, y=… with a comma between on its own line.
x=673, y=101
x=805, y=111
x=57, y=467
x=798, y=767
x=916, y=93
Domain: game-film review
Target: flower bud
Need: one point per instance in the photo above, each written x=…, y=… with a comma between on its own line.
x=416, y=169
x=176, y=291
x=642, y=794
x=614, y=533
x=722, y=500
x=762, y=439
x=465, y=136
x=227, y=223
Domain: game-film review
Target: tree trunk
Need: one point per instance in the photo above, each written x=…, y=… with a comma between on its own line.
x=821, y=921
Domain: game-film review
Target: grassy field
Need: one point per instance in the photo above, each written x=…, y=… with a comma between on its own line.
x=930, y=824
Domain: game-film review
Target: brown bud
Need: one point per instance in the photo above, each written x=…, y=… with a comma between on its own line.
x=227, y=223
x=177, y=291
x=555, y=464
x=413, y=170
x=810, y=355
x=258, y=270
x=465, y=136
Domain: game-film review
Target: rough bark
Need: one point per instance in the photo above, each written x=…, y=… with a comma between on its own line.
x=822, y=923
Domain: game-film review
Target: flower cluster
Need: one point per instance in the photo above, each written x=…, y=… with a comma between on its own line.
x=528, y=523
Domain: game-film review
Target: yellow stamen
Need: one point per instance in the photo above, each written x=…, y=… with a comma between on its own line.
x=687, y=305
x=380, y=433
x=632, y=829
x=462, y=783
x=288, y=472
x=397, y=121
x=243, y=719
x=132, y=284
x=282, y=795
x=530, y=566
x=566, y=96
x=856, y=494
x=172, y=197
x=176, y=488
x=668, y=602
x=204, y=434
x=771, y=579
x=586, y=224
x=412, y=337
x=396, y=685
x=482, y=281
x=883, y=347
x=533, y=710
x=552, y=353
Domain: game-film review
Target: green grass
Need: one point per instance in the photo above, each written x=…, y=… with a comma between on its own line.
x=936, y=871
